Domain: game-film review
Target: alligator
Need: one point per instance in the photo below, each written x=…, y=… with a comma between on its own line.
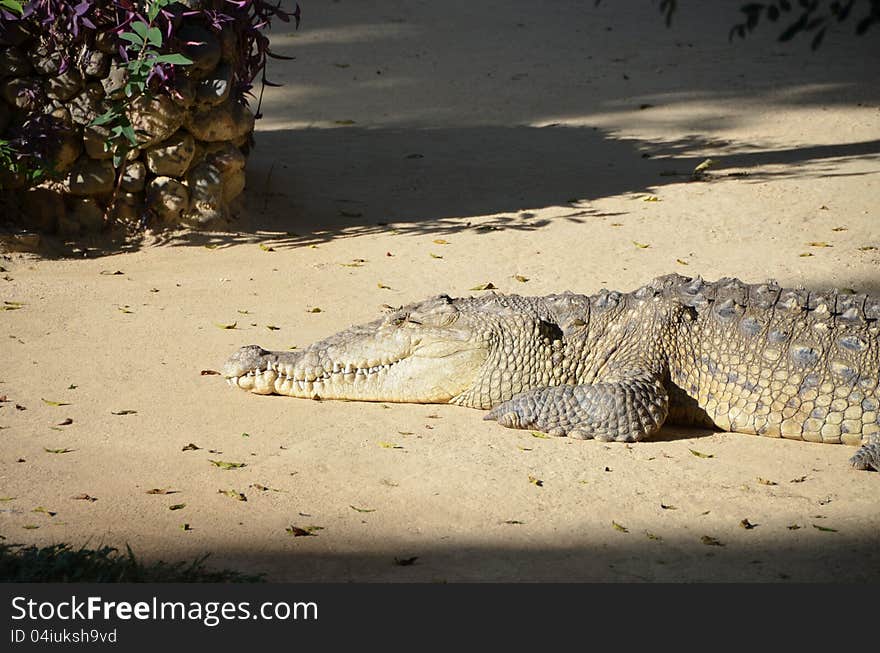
x=748, y=358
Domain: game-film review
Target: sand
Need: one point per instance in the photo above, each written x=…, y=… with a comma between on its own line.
x=449, y=145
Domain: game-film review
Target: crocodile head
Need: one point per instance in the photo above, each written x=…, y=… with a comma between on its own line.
x=475, y=352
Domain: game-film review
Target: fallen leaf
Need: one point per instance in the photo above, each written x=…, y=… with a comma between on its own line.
x=84, y=497
x=212, y=245
x=819, y=243
x=125, y=309
x=297, y=531
x=440, y=241
x=484, y=286
x=405, y=562
x=520, y=278
x=866, y=248
x=266, y=248
x=234, y=494
x=640, y=245
x=681, y=261
x=702, y=168
x=185, y=527
x=651, y=198
x=45, y=511
x=799, y=479
x=793, y=527
x=524, y=448
x=805, y=254
x=669, y=507
x=177, y=506
x=12, y=306
x=157, y=490
x=245, y=435
x=123, y=412
x=72, y=387
x=825, y=529
x=356, y=509
x=764, y=481
x=536, y=481
x=230, y=325
x=383, y=286
x=390, y=445
x=111, y=274
x=710, y=541
x=538, y=434
x=7, y=498
x=405, y=432
x=66, y=422
x=20, y=407
x=746, y=524
x=65, y=450
x=210, y=373
x=619, y=527
x=513, y=522
x=314, y=310
x=651, y=536
x=54, y=403
x=434, y=255
x=30, y=526
x=839, y=229
x=701, y=455
x=222, y=464
x=272, y=327
x=191, y=447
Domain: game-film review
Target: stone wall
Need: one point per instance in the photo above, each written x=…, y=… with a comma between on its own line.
x=190, y=159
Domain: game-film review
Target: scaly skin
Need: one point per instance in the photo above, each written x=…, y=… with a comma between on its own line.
x=747, y=358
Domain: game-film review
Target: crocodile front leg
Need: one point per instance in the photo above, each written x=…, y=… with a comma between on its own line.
x=625, y=410
x=868, y=455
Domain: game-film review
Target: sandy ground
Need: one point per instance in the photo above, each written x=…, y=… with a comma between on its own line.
x=503, y=138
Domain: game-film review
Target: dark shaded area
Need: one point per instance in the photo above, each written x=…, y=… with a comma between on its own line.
x=635, y=558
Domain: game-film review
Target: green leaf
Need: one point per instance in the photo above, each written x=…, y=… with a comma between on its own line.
x=538, y=434
x=128, y=132
x=14, y=5
x=824, y=528
x=174, y=59
x=132, y=38
x=154, y=36
x=222, y=464
x=104, y=118
x=141, y=29
x=701, y=455
x=619, y=527
x=356, y=509
x=534, y=480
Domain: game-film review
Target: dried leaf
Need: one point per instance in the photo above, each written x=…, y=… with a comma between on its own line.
x=619, y=527
x=805, y=254
x=520, y=278
x=185, y=527
x=177, y=506
x=839, y=229
x=681, y=261
x=125, y=309
x=3, y=499
x=536, y=481
x=210, y=373
x=710, y=541
x=12, y=306
x=111, y=274
x=485, y=286
x=298, y=531
x=314, y=310
x=212, y=245
x=701, y=455
x=406, y=433
x=383, y=286
x=640, y=245
x=405, y=562
x=651, y=536
x=513, y=522
x=819, y=243
x=356, y=509
x=233, y=494
x=524, y=448
x=440, y=241
x=432, y=255
x=65, y=450
x=266, y=248
x=123, y=412
x=703, y=167
x=222, y=464
x=668, y=507
x=764, y=481
x=66, y=422
x=746, y=524
x=390, y=445
x=85, y=497
x=157, y=490
x=45, y=511
x=538, y=434
x=272, y=327
x=793, y=527
x=191, y=447
x=651, y=198
x=825, y=529
x=866, y=248
x=54, y=403
x=30, y=527
x=799, y=479
x=230, y=325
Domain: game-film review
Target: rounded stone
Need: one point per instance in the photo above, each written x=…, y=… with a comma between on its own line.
x=171, y=157
x=201, y=46
x=155, y=118
x=23, y=93
x=43, y=208
x=86, y=105
x=114, y=82
x=86, y=212
x=226, y=122
x=91, y=177
x=127, y=209
x=234, y=185
x=216, y=87
x=13, y=63
x=134, y=177
x=95, y=63
x=95, y=140
x=65, y=85
x=46, y=61
x=168, y=198
x=206, y=186
x=66, y=149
